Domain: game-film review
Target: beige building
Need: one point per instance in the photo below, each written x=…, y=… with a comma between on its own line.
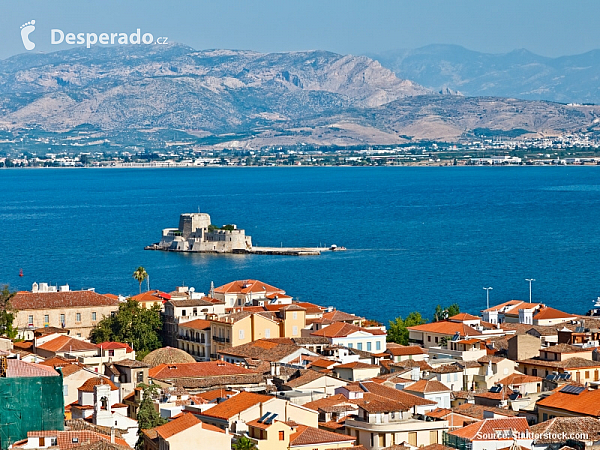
x=77, y=311
x=244, y=292
x=184, y=433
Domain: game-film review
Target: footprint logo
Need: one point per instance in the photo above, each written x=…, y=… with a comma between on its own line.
x=26, y=30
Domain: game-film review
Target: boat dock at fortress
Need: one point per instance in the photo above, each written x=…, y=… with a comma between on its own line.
x=196, y=234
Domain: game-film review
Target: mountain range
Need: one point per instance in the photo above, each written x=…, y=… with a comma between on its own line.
x=518, y=74
x=234, y=98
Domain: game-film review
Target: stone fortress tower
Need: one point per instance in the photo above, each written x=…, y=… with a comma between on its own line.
x=196, y=234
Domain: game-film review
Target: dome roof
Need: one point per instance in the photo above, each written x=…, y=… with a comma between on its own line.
x=167, y=355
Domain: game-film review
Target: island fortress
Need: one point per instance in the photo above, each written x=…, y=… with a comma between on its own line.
x=197, y=234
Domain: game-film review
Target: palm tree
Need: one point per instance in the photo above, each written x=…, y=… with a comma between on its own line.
x=140, y=275
x=244, y=443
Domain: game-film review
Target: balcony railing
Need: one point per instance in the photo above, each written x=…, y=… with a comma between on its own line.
x=220, y=339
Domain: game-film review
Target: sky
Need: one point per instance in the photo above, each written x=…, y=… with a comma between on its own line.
x=550, y=27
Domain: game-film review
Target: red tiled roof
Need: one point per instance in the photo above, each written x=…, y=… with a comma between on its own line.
x=502, y=305
x=343, y=329
x=247, y=286
x=446, y=327
x=519, y=378
x=55, y=300
x=66, y=344
x=485, y=429
x=151, y=296
x=405, y=350
x=464, y=316
x=306, y=435
x=64, y=439
x=114, y=345
x=356, y=365
x=88, y=386
x=551, y=313
x=340, y=316
x=423, y=386
x=585, y=403
x=236, y=404
x=197, y=370
x=182, y=423
x=514, y=311
x=198, y=324
x=215, y=394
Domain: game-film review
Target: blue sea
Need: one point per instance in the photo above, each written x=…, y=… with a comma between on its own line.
x=416, y=237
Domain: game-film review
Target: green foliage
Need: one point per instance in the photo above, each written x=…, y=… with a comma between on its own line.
x=147, y=415
x=140, y=275
x=7, y=314
x=443, y=313
x=244, y=443
x=229, y=227
x=398, y=329
x=132, y=324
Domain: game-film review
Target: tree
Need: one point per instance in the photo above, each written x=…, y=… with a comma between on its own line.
x=443, y=313
x=140, y=275
x=7, y=314
x=398, y=329
x=131, y=324
x=244, y=443
x=147, y=415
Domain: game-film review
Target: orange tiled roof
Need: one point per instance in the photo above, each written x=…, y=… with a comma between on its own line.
x=67, y=344
x=446, y=327
x=505, y=304
x=586, y=403
x=196, y=370
x=405, y=350
x=423, y=386
x=306, y=435
x=88, y=386
x=114, y=345
x=551, y=313
x=406, y=399
x=519, y=378
x=247, y=286
x=514, y=311
x=464, y=316
x=151, y=296
x=180, y=424
x=55, y=300
x=343, y=329
x=490, y=427
x=64, y=439
x=198, y=324
x=356, y=365
x=340, y=316
x=236, y=404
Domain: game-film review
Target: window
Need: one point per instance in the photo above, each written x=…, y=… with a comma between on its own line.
x=46, y=319
x=30, y=321
x=359, y=346
x=267, y=333
x=350, y=345
x=587, y=373
x=183, y=312
x=412, y=438
x=140, y=377
x=78, y=317
x=282, y=435
x=65, y=390
x=294, y=331
x=436, y=339
x=62, y=320
x=94, y=316
x=378, y=345
x=368, y=346
x=433, y=437
x=428, y=338
x=295, y=315
x=241, y=334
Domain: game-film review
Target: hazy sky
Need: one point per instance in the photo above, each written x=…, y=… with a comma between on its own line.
x=548, y=27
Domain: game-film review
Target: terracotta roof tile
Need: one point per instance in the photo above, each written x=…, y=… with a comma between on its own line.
x=493, y=427
x=88, y=385
x=55, y=300
x=551, y=313
x=565, y=426
x=198, y=324
x=247, y=286
x=196, y=370
x=356, y=365
x=405, y=350
x=21, y=369
x=151, y=296
x=464, y=316
x=306, y=435
x=343, y=329
x=236, y=404
x=447, y=327
x=424, y=386
x=67, y=344
x=114, y=345
x=585, y=403
x=180, y=424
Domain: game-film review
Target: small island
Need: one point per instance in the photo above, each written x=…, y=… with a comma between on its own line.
x=196, y=234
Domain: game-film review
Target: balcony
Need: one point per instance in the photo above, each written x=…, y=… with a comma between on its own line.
x=220, y=339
